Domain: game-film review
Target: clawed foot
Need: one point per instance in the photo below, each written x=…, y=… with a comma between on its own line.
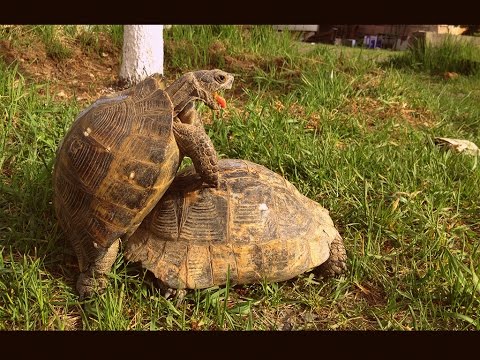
x=88, y=285
x=211, y=181
x=178, y=293
x=196, y=182
x=168, y=292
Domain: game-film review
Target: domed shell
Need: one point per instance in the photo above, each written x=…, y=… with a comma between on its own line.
x=115, y=162
x=256, y=226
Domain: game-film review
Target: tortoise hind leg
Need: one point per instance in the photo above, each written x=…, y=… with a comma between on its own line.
x=337, y=262
x=194, y=142
x=92, y=276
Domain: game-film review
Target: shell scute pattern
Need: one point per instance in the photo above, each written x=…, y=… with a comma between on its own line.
x=256, y=226
x=200, y=221
x=108, y=170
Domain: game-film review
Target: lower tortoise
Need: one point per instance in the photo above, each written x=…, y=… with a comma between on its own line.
x=255, y=226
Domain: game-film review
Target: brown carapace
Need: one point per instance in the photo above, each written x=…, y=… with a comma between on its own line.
x=120, y=156
x=256, y=226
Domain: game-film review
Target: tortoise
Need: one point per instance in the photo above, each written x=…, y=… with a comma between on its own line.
x=256, y=226
x=120, y=156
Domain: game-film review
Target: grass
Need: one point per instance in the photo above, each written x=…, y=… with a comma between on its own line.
x=449, y=56
x=346, y=130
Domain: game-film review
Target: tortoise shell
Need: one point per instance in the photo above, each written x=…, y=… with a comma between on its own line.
x=115, y=162
x=255, y=226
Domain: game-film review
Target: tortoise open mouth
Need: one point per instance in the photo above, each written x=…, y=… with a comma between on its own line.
x=220, y=100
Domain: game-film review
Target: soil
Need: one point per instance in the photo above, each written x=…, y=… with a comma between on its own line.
x=84, y=75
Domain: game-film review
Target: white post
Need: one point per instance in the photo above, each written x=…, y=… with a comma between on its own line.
x=142, y=52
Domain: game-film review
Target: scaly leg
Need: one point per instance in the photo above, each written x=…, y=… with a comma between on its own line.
x=92, y=276
x=337, y=262
x=194, y=142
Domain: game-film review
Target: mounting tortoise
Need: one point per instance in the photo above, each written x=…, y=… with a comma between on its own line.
x=121, y=155
x=255, y=226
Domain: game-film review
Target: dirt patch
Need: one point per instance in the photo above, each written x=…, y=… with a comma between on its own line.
x=371, y=293
x=374, y=110
x=84, y=75
x=298, y=111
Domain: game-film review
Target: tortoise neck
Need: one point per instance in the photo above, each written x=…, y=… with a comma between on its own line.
x=182, y=92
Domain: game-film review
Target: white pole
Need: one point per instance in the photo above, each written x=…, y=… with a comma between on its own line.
x=142, y=52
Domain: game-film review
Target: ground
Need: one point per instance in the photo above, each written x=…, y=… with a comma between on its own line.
x=84, y=75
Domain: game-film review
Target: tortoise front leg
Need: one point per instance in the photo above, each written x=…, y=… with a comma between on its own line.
x=92, y=276
x=194, y=142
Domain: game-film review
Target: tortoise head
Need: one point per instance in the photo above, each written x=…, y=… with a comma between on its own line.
x=200, y=85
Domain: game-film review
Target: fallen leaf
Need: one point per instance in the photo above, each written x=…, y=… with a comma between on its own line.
x=458, y=145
